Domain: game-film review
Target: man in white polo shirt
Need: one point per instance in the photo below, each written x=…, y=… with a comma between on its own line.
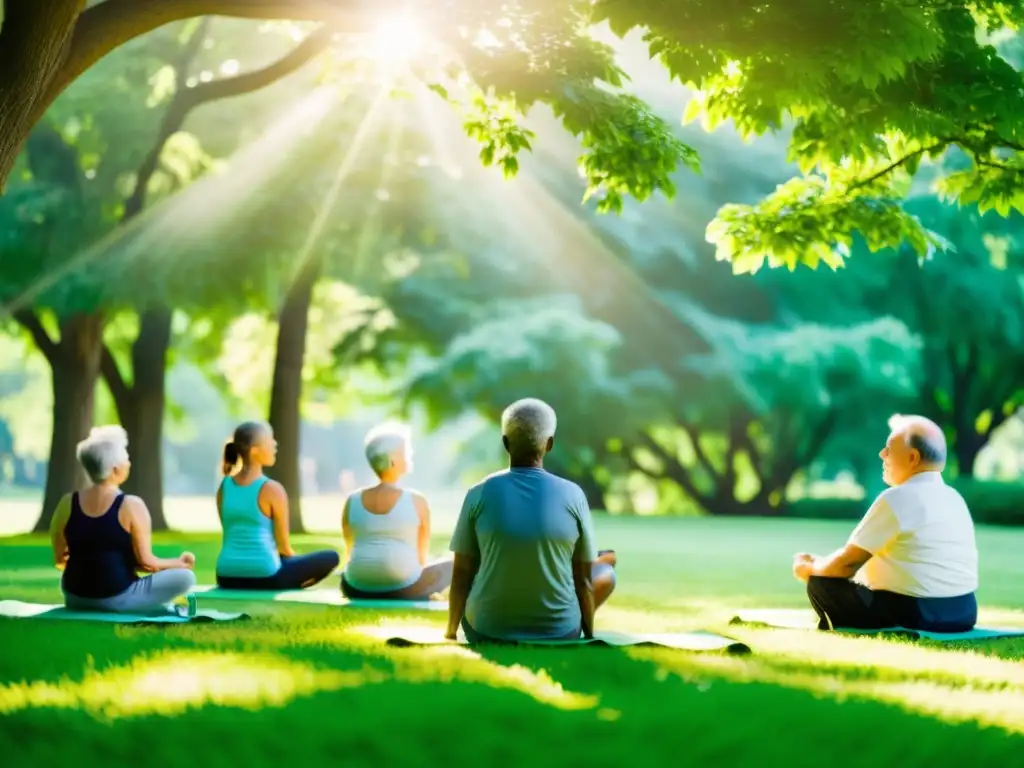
x=911, y=561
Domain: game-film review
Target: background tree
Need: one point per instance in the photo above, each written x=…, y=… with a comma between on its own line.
x=856, y=130
x=965, y=309
x=110, y=188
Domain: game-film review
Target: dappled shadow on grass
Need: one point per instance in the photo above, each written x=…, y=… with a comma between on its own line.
x=310, y=683
x=953, y=684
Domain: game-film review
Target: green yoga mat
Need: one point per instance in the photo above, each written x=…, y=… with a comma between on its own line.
x=315, y=597
x=683, y=641
x=802, y=619
x=15, y=609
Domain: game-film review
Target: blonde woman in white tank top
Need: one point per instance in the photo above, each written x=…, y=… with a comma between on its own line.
x=387, y=529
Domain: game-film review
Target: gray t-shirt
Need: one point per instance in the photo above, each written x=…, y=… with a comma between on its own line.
x=526, y=526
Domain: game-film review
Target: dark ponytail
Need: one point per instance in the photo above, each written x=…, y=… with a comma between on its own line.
x=237, y=449
x=231, y=458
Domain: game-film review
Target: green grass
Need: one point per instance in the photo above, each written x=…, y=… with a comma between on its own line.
x=308, y=685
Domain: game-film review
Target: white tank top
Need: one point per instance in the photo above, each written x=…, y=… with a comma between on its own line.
x=384, y=547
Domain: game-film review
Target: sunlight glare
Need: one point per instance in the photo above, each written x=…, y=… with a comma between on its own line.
x=396, y=39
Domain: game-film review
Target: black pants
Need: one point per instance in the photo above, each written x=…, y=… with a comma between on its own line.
x=296, y=572
x=842, y=603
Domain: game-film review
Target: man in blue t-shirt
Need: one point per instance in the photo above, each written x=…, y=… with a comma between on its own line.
x=526, y=563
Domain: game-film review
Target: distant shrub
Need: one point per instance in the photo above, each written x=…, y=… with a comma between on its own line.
x=991, y=503
x=825, y=508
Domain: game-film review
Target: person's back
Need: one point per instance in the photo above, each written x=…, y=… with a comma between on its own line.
x=101, y=557
x=934, y=554
x=248, y=549
x=384, y=541
x=528, y=525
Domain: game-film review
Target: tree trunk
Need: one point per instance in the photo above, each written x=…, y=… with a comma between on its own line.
x=142, y=413
x=75, y=366
x=286, y=392
x=34, y=43
x=967, y=446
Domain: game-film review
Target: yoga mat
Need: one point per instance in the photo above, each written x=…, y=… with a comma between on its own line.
x=315, y=597
x=15, y=609
x=684, y=641
x=802, y=619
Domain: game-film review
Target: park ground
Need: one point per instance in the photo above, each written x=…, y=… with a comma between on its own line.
x=310, y=686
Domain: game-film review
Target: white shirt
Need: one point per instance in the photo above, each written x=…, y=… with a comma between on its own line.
x=921, y=536
x=385, y=554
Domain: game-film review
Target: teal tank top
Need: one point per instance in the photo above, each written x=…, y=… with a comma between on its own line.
x=248, y=549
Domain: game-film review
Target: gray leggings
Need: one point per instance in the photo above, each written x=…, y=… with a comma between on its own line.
x=150, y=593
x=436, y=577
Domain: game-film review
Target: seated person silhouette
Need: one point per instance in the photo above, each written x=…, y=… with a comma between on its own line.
x=387, y=528
x=101, y=539
x=526, y=564
x=256, y=551
x=911, y=561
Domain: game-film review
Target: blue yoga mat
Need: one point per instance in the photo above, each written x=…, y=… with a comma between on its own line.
x=314, y=597
x=803, y=619
x=15, y=609
x=699, y=640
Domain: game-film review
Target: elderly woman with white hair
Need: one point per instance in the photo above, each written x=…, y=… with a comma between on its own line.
x=526, y=563
x=101, y=538
x=387, y=528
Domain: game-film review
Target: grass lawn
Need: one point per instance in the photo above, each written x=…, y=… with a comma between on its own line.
x=309, y=686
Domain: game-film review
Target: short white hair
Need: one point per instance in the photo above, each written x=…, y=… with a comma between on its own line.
x=527, y=425
x=383, y=441
x=103, y=451
x=921, y=434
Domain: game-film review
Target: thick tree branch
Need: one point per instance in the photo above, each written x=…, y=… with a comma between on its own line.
x=810, y=450
x=110, y=24
x=705, y=461
x=187, y=99
x=29, y=320
x=671, y=468
x=746, y=444
x=34, y=41
x=170, y=124
x=116, y=383
x=225, y=88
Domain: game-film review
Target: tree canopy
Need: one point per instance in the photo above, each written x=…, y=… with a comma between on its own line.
x=866, y=91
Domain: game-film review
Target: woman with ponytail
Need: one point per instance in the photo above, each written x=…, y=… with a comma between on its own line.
x=256, y=552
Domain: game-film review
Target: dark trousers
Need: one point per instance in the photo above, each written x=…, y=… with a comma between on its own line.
x=296, y=572
x=435, y=578
x=842, y=603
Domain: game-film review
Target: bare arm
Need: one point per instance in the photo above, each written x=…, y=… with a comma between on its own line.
x=140, y=527
x=841, y=564
x=583, y=581
x=423, y=542
x=346, y=532
x=273, y=501
x=57, y=540
x=464, y=571
x=220, y=502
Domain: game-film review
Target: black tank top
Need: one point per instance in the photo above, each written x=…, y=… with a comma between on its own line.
x=101, y=559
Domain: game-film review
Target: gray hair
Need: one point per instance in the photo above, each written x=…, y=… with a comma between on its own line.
x=923, y=435
x=103, y=451
x=527, y=425
x=383, y=441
